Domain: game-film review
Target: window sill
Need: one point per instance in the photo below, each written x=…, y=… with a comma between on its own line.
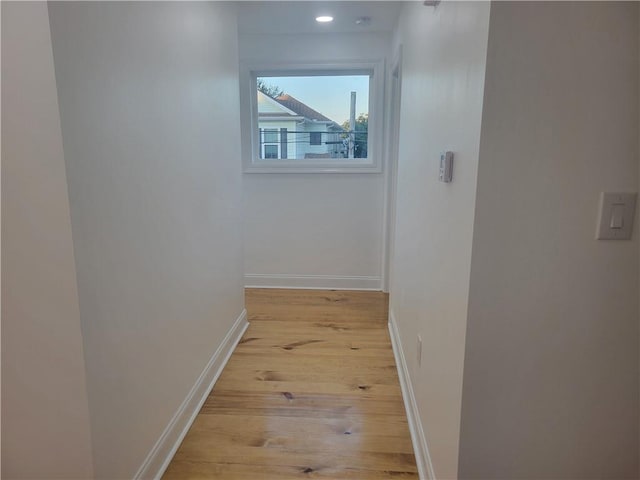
x=312, y=167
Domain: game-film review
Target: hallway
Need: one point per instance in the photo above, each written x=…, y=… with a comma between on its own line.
x=161, y=158
x=311, y=390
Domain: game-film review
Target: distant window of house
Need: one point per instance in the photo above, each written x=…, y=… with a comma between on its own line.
x=270, y=135
x=269, y=143
x=315, y=138
x=270, y=151
x=323, y=118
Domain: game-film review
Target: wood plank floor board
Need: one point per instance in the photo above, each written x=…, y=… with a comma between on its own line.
x=259, y=456
x=363, y=377
x=336, y=434
x=242, y=471
x=329, y=329
x=243, y=359
x=311, y=391
x=352, y=350
x=284, y=403
x=250, y=388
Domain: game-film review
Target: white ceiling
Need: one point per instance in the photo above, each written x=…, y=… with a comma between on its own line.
x=299, y=16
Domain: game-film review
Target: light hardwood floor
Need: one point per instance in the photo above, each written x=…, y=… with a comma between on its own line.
x=311, y=391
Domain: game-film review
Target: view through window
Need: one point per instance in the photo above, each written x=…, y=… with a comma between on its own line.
x=313, y=117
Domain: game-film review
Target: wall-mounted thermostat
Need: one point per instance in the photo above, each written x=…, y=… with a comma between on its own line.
x=446, y=167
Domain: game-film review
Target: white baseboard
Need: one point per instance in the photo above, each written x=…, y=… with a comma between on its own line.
x=320, y=282
x=420, y=448
x=165, y=448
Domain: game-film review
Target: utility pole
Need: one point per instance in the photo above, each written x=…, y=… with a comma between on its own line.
x=352, y=126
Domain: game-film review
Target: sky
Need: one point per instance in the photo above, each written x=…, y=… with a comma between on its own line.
x=329, y=95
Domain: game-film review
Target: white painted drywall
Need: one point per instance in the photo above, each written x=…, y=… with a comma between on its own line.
x=443, y=67
x=314, y=224
x=45, y=415
x=148, y=98
x=551, y=369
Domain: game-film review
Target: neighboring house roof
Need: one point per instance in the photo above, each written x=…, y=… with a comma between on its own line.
x=300, y=108
x=292, y=106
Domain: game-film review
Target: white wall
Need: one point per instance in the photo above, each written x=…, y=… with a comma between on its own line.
x=314, y=224
x=45, y=416
x=551, y=369
x=443, y=69
x=149, y=111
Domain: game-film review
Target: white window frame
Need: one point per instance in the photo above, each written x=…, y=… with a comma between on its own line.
x=250, y=133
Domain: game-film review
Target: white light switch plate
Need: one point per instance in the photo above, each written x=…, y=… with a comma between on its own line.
x=615, y=219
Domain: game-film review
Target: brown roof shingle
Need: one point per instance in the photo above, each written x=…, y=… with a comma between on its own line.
x=300, y=108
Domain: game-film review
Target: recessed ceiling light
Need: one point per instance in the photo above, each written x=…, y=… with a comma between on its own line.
x=324, y=19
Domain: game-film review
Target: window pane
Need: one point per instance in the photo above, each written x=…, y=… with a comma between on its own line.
x=270, y=135
x=316, y=138
x=325, y=116
x=270, y=151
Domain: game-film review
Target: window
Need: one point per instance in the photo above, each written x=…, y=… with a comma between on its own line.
x=270, y=151
x=270, y=135
x=315, y=138
x=312, y=118
x=269, y=143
